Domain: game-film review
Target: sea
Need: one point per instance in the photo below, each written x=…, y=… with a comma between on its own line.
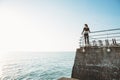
x=36, y=65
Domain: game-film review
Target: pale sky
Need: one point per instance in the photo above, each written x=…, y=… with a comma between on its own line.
x=53, y=25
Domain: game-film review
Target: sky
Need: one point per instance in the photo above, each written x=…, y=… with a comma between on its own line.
x=53, y=25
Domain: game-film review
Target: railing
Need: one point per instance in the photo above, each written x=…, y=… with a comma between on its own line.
x=110, y=37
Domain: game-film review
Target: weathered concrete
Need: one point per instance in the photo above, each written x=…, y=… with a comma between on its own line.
x=96, y=63
x=63, y=78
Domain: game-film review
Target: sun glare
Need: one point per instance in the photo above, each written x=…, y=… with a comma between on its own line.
x=18, y=32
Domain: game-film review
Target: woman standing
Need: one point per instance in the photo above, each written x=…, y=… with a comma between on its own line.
x=86, y=32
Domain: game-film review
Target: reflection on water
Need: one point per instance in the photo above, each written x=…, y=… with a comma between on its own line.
x=35, y=65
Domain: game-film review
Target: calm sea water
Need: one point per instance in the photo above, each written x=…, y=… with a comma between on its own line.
x=36, y=65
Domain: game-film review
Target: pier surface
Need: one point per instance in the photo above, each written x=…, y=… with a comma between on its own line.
x=97, y=63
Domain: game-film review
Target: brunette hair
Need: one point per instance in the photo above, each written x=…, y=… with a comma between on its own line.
x=86, y=25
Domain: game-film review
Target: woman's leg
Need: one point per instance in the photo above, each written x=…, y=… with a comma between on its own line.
x=85, y=38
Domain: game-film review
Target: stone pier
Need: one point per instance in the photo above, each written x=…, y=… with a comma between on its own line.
x=97, y=63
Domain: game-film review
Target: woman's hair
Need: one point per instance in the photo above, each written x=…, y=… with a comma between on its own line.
x=86, y=25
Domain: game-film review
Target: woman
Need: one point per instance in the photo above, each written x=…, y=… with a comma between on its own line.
x=86, y=32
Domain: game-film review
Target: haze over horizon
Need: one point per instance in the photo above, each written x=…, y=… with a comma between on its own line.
x=53, y=25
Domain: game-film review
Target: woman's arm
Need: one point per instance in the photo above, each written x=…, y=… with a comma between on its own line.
x=82, y=31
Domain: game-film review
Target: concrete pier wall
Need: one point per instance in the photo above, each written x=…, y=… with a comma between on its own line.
x=97, y=63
